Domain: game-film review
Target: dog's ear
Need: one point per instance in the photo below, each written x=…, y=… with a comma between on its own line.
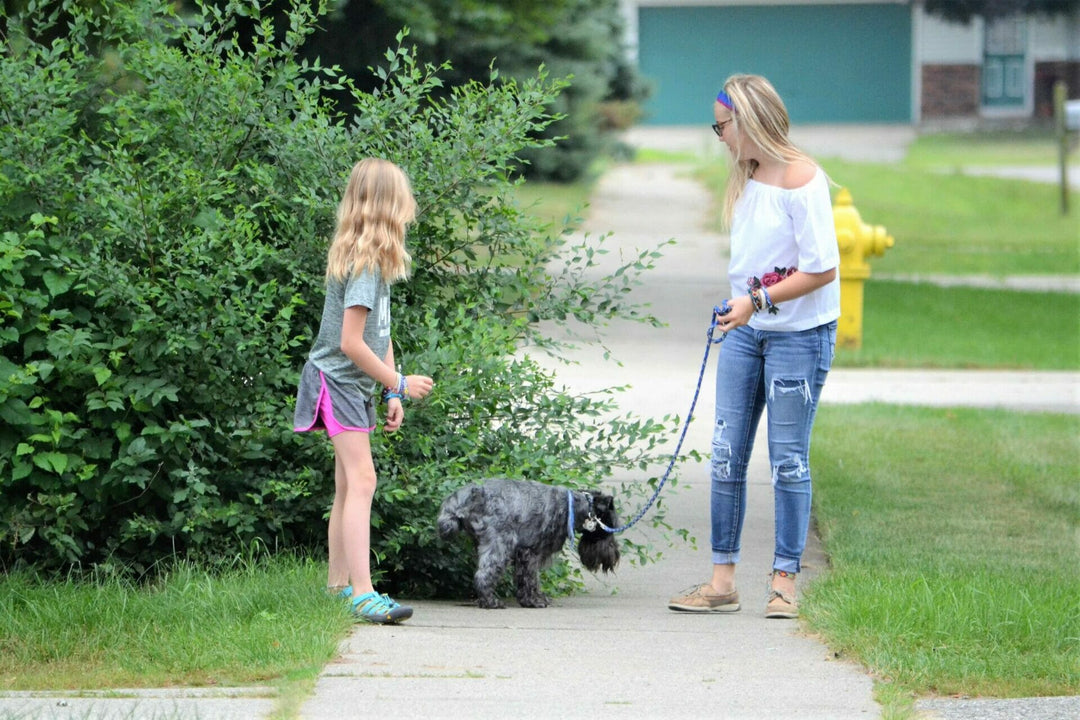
x=599, y=550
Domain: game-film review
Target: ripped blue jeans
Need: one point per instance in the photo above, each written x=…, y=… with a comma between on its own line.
x=784, y=373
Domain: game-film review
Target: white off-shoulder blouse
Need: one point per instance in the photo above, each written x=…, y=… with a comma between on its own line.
x=775, y=231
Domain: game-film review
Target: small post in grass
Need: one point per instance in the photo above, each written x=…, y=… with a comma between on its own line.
x=1062, y=143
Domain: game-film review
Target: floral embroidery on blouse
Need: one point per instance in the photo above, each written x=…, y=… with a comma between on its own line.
x=768, y=280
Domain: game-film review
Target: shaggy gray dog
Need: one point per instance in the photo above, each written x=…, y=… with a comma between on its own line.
x=525, y=523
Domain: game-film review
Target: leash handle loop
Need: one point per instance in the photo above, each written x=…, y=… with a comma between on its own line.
x=718, y=310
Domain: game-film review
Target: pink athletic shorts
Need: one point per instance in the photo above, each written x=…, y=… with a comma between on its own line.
x=322, y=404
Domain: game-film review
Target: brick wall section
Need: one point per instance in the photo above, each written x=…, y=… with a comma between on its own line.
x=950, y=91
x=1046, y=74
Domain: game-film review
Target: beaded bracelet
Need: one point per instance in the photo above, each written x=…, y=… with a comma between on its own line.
x=768, y=300
x=401, y=392
x=756, y=299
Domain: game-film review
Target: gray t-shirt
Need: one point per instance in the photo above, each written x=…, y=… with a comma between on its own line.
x=366, y=289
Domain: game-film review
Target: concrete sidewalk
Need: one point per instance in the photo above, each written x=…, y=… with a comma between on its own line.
x=616, y=651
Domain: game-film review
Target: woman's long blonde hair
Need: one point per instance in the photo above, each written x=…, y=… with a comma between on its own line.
x=760, y=114
x=375, y=211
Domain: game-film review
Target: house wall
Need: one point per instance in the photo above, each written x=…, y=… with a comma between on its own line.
x=950, y=90
x=1056, y=39
x=945, y=43
x=944, y=67
x=1055, y=49
x=949, y=66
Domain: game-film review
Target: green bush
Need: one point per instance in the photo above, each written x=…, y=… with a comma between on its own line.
x=167, y=191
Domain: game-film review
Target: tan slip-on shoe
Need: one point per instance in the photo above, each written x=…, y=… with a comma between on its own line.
x=781, y=605
x=702, y=598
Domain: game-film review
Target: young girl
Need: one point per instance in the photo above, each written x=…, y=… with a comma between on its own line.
x=352, y=356
x=781, y=333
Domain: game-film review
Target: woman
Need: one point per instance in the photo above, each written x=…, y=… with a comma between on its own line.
x=781, y=334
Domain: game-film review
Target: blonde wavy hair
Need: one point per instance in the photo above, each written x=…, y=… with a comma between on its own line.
x=375, y=211
x=760, y=114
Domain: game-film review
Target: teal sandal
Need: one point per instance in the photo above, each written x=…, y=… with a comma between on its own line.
x=380, y=609
x=344, y=593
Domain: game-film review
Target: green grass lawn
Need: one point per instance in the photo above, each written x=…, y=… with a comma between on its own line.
x=261, y=622
x=556, y=203
x=1033, y=147
x=961, y=225
x=952, y=538
x=908, y=325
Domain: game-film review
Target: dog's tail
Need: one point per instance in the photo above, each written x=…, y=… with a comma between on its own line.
x=454, y=511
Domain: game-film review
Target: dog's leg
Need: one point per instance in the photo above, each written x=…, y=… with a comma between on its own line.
x=491, y=564
x=527, y=580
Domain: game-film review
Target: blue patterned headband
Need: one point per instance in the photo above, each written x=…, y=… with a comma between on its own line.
x=723, y=99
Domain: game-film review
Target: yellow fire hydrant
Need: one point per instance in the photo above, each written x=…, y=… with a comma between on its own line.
x=857, y=241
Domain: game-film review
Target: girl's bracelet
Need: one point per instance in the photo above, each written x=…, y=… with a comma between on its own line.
x=401, y=392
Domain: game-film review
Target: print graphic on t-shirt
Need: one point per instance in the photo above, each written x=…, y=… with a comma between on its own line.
x=384, y=316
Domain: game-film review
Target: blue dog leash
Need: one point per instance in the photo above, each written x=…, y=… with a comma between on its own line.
x=717, y=311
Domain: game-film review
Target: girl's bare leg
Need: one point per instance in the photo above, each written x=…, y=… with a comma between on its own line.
x=337, y=576
x=352, y=450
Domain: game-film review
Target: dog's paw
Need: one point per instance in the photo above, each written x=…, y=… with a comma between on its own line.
x=537, y=601
x=491, y=603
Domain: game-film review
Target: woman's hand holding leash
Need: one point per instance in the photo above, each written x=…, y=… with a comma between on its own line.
x=739, y=312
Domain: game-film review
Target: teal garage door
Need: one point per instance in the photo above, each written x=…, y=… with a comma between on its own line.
x=831, y=63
